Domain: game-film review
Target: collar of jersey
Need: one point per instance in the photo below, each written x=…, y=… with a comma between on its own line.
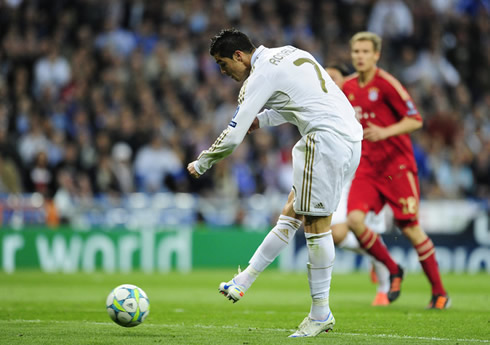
x=256, y=53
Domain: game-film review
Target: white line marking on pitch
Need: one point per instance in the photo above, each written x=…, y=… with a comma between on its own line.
x=393, y=336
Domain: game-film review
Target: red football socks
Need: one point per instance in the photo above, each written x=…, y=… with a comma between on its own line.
x=371, y=243
x=427, y=258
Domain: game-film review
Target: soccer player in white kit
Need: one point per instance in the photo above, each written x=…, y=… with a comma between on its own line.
x=289, y=85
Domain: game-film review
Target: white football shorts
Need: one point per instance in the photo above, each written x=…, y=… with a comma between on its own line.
x=322, y=163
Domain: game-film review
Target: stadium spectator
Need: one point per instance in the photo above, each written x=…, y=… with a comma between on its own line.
x=40, y=176
x=146, y=37
x=65, y=197
x=154, y=164
x=115, y=40
x=432, y=67
x=51, y=72
x=105, y=179
x=33, y=141
x=391, y=19
x=121, y=166
x=454, y=175
x=10, y=177
x=480, y=167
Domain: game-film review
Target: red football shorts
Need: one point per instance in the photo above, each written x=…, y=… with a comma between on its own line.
x=401, y=192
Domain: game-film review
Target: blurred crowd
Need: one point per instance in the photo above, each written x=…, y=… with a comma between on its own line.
x=112, y=97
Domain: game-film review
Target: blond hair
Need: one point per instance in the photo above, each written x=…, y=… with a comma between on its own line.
x=367, y=36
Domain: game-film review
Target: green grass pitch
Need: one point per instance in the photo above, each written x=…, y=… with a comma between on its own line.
x=39, y=308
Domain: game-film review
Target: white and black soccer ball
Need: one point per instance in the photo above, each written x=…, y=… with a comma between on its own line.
x=128, y=305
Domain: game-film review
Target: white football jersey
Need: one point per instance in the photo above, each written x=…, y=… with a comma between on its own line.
x=292, y=87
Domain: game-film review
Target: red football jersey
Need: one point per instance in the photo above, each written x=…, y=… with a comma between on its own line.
x=383, y=102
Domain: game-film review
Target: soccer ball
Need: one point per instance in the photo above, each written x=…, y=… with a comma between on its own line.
x=128, y=305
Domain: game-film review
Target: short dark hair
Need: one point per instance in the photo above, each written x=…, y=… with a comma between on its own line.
x=342, y=68
x=228, y=41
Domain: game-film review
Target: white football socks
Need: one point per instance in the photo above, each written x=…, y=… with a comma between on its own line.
x=272, y=245
x=321, y=255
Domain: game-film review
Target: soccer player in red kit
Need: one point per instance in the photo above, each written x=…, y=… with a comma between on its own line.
x=387, y=172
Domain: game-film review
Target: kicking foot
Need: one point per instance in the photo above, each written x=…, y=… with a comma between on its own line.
x=311, y=328
x=231, y=290
x=395, y=285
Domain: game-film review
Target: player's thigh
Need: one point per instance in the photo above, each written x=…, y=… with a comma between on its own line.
x=288, y=209
x=402, y=194
x=364, y=195
x=321, y=164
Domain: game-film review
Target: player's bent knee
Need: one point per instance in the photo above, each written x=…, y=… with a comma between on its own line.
x=317, y=224
x=355, y=221
x=339, y=232
x=414, y=233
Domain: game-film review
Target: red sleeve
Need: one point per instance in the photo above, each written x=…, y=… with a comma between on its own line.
x=398, y=98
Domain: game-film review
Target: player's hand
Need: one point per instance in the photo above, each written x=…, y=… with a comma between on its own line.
x=253, y=126
x=375, y=133
x=192, y=171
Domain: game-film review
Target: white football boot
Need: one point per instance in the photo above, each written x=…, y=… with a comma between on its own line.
x=311, y=328
x=232, y=290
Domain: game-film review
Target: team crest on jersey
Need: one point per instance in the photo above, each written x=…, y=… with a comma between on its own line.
x=351, y=96
x=373, y=94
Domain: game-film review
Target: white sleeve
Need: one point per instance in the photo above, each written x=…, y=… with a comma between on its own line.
x=270, y=117
x=256, y=90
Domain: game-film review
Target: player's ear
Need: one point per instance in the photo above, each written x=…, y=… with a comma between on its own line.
x=237, y=56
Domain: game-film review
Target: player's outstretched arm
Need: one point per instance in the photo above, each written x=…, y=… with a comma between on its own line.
x=192, y=170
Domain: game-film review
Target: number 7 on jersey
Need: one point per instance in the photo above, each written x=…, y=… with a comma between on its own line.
x=301, y=61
